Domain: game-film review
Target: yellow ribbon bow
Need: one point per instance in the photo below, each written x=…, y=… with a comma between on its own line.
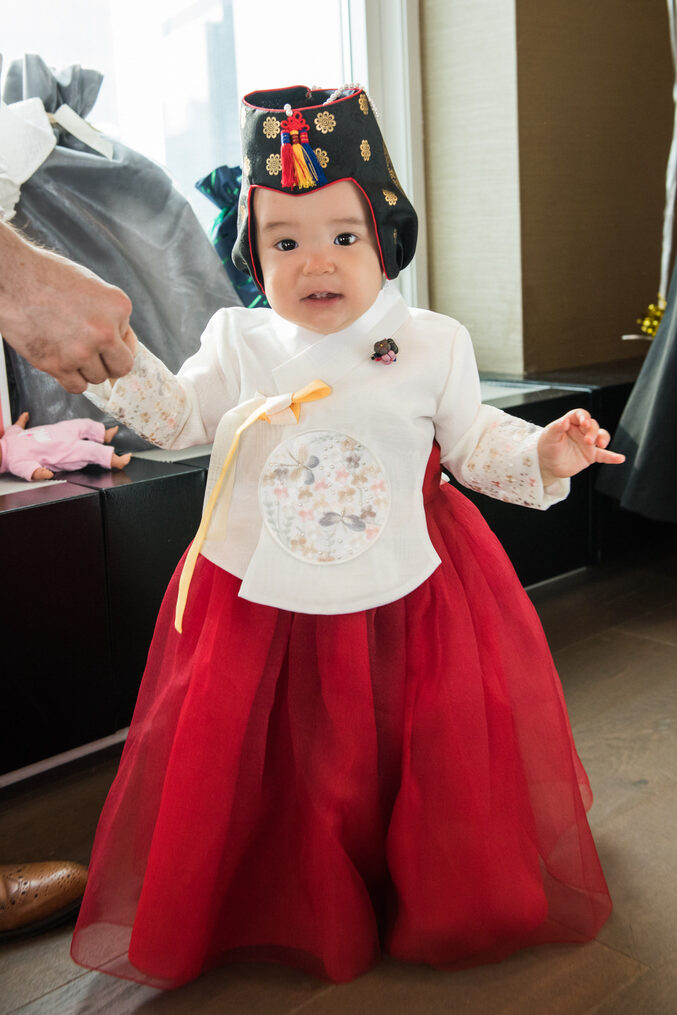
x=278, y=405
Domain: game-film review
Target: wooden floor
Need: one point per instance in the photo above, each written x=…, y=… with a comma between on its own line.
x=614, y=635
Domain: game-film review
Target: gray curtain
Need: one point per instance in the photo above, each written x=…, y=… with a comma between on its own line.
x=647, y=432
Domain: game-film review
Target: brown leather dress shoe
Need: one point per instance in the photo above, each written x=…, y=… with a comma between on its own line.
x=37, y=896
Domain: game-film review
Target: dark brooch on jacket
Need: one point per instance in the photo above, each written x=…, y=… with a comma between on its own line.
x=385, y=351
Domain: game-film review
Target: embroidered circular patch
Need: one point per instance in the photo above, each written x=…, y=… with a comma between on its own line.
x=324, y=496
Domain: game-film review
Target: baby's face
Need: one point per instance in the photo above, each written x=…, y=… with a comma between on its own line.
x=318, y=255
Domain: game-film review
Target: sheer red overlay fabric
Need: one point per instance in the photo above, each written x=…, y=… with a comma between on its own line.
x=319, y=790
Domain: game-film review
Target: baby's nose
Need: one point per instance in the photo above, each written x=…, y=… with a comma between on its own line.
x=318, y=262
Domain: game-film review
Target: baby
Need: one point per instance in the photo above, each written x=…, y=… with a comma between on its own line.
x=353, y=738
x=70, y=445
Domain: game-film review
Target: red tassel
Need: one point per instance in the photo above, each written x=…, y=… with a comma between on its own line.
x=287, y=157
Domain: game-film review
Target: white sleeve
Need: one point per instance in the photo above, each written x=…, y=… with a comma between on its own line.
x=175, y=411
x=486, y=449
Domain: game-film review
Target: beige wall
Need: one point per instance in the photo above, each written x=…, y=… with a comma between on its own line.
x=547, y=130
x=472, y=172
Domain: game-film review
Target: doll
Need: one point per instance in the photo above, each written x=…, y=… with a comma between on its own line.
x=35, y=453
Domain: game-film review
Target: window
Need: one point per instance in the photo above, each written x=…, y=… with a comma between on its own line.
x=174, y=72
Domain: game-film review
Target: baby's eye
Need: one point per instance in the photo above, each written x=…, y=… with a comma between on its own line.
x=345, y=239
x=286, y=245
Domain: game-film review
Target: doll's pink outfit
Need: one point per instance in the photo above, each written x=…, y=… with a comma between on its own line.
x=70, y=444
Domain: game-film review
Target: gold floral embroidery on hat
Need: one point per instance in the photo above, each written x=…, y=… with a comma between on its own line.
x=389, y=196
x=322, y=157
x=274, y=164
x=364, y=105
x=271, y=127
x=325, y=122
x=247, y=167
x=365, y=150
x=391, y=168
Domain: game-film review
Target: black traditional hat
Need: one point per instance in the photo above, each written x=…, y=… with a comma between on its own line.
x=297, y=139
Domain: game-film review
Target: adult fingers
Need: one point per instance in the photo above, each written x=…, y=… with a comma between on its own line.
x=72, y=381
x=117, y=359
x=94, y=370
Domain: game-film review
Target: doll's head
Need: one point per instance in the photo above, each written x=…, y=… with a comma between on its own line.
x=297, y=142
x=318, y=256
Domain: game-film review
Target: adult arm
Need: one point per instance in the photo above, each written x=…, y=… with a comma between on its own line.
x=61, y=317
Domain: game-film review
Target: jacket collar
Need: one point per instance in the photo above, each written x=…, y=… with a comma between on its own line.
x=330, y=357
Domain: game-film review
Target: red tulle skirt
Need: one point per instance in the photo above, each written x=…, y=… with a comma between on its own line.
x=319, y=790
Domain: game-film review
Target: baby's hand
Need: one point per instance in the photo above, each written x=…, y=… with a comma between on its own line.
x=572, y=443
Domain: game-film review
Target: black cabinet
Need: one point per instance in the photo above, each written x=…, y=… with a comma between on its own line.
x=150, y=511
x=57, y=688
x=86, y=563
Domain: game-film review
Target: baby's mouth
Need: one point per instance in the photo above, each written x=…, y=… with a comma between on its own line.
x=320, y=296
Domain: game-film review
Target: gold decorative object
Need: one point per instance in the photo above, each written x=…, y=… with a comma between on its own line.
x=652, y=317
x=322, y=157
x=271, y=127
x=365, y=151
x=274, y=164
x=364, y=105
x=390, y=197
x=247, y=167
x=325, y=122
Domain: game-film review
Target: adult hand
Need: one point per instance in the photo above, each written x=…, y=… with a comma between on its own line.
x=571, y=444
x=62, y=317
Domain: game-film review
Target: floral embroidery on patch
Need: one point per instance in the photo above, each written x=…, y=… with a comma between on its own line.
x=324, y=496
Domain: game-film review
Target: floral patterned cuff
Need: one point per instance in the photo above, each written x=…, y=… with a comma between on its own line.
x=149, y=399
x=505, y=465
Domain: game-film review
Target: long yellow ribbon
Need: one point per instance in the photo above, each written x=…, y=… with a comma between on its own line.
x=310, y=393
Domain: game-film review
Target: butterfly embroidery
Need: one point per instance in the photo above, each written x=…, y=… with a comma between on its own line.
x=301, y=466
x=351, y=522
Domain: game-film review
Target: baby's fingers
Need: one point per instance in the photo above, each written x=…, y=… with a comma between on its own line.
x=609, y=457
